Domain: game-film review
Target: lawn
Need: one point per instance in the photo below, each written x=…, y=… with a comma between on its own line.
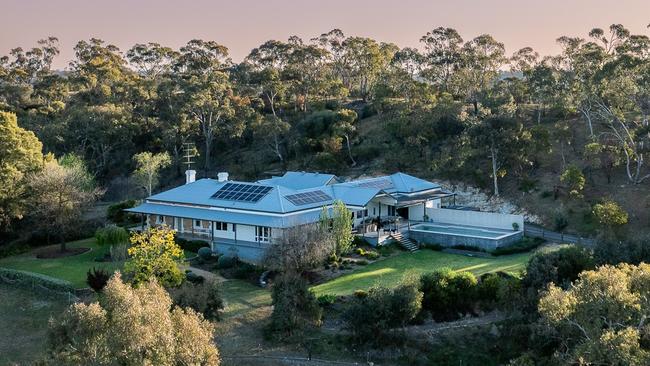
x=389, y=271
x=72, y=269
x=24, y=314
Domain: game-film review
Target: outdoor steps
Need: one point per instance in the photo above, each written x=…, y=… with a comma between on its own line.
x=405, y=242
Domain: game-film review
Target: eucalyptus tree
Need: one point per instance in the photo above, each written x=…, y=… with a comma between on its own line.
x=442, y=56
x=20, y=155
x=482, y=59
x=207, y=94
x=367, y=59
x=506, y=143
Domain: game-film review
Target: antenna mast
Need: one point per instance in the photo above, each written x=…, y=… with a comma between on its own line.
x=190, y=153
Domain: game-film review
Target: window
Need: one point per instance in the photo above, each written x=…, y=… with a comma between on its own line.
x=218, y=225
x=359, y=214
x=365, y=213
x=161, y=219
x=197, y=223
x=262, y=233
x=391, y=210
x=374, y=211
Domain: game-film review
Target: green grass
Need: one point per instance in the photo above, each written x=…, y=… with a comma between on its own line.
x=23, y=319
x=241, y=296
x=72, y=269
x=389, y=271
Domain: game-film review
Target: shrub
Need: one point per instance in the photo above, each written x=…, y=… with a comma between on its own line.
x=111, y=235
x=294, y=305
x=371, y=318
x=204, y=297
x=119, y=252
x=610, y=214
x=194, y=278
x=131, y=326
x=433, y=246
x=633, y=251
x=575, y=181
x=386, y=250
x=116, y=214
x=155, y=254
x=360, y=251
x=488, y=288
x=362, y=262
x=447, y=293
x=225, y=262
x=191, y=245
x=360, y=293
x=524, y=245
x=326, y=300
x=33, y=279
x=97, y=279
x=205, y=253
x=561, y=221
x=559, y=266
x=246, y=271
x=371, y=255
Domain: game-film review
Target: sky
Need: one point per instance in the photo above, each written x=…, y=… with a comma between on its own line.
x=242, y=25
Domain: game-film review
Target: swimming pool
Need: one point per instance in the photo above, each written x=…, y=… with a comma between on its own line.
x=454, y=235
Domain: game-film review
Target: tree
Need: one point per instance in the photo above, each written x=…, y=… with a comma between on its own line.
x=341, y=226
x=610, y=214
x=208, y=94
x=482, y=58
x=602, y=318
x=345, y=127
x=131, y=326
x=372, y=316
x=148, y=168
x=59, y=195
x=294, y=305
x=155, y=254
x=575, y=181
x=442, y=55
x=300, y=248
x=506, y=142
x=20, y=156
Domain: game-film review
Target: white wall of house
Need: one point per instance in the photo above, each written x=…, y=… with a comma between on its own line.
x=416, y=212
x=475, y=218
x=225, y=234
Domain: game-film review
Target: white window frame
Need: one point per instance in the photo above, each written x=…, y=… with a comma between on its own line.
x=199, y=226
x=262, y=234
x=160, y=220
x=220, y=226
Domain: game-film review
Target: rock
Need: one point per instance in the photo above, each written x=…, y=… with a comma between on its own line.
x=494, y=330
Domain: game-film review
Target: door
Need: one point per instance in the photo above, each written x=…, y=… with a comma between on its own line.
x=403, y=212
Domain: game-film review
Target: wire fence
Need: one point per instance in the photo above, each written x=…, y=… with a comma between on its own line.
x=45, y=285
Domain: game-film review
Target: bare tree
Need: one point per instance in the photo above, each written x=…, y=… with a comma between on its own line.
x=300, y=248
x=59, y=195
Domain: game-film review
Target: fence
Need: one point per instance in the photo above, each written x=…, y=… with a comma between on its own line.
x=539, y=232
x=38, y=282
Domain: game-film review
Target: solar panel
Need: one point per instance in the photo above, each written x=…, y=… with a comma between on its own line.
x=305, y=198
x=377, y=183
x=241, y=192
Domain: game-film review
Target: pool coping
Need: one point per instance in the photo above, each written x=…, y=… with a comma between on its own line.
x=505, y=234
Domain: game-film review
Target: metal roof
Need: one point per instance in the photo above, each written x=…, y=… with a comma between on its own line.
x=300, y=180
x=274, y=208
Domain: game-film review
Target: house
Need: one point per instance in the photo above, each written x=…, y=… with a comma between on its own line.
x=244, y=218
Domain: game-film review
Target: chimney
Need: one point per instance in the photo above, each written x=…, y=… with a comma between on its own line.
x=222, y=176
x=190, y=176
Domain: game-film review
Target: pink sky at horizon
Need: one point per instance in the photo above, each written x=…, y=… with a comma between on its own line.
x=245, y=24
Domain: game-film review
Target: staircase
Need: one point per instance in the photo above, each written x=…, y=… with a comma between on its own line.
x=405, y=242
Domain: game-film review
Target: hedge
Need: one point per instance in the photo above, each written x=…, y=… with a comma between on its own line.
x=48, y=282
